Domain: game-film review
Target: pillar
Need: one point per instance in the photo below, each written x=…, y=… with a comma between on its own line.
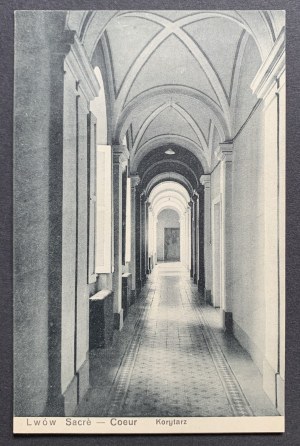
x=224, y=153
x=195, y=199
x=188, y=225
x=151, y=234
x=205, y=181
x=135, y=179
x=38, y=192
x=120, y=157
x=192, y=234
x=147, y=205
x=138, y=245
x=143, y=200
x=269, y=85
x=200, y=233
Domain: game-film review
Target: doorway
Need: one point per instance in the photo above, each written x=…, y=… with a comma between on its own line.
x=172, y=245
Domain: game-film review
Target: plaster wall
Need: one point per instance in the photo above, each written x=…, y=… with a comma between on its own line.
x=38, y=88
x=248, y=298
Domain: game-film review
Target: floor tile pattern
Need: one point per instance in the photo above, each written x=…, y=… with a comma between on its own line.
x=173, y=365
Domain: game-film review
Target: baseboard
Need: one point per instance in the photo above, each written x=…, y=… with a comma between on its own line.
x=83, y=379
x=70, y=397
x=201, y=287
x=77, y=389
x=133, y=297
x=55, y=407
x=280, y=394
x=118, y=320
x=207, y=296
x=227, y=321
x=269, y=381
x=246, y=342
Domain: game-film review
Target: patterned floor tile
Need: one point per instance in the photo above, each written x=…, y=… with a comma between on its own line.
x=173, y=365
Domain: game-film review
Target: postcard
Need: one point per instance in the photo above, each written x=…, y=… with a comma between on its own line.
x=149, y=221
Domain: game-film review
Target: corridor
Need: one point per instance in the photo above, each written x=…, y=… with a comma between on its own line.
x=173, y=359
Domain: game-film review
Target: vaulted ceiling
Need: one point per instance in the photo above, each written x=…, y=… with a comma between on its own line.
x=177, y=77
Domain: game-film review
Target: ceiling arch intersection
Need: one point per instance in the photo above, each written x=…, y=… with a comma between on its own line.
x=164, y=140
x=163, y=94
x=186, y=117
x=159, y=61
x=170, y=28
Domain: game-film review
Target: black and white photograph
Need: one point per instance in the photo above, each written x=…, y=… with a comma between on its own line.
x=149, y=221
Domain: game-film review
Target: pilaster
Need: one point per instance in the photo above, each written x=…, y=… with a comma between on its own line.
x=120, y=157
x=224, y=154
x=143, y=266
x=192, y=233
x=135, y=179
x=195, y=199
x=205, y=181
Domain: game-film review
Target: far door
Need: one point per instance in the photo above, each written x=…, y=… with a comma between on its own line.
x=172, y=245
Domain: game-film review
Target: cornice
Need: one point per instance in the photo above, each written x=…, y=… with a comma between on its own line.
x=224, y=151
x=271, y=69
x=78, y=62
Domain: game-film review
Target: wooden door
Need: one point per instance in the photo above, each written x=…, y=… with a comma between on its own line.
x=172, y=244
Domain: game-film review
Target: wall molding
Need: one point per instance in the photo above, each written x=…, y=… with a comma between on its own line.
x=271, y=69
x=81, y=68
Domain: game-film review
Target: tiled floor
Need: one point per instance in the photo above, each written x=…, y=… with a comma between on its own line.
x=168, y=359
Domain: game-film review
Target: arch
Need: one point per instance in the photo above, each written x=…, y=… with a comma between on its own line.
x=166, y=167
x=162, y=140
x=91, y=25
x=169, y=28
x=161, y=94
x=169, y=186
x=168, y=177
x=168, y=204
x=172, y=161
x=173, y=208
x=98, y=108
x=168, y=195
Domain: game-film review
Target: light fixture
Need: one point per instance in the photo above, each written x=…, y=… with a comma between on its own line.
x=169, y=152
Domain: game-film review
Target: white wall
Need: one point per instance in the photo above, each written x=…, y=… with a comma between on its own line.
x=248, y=303
x=168, y=218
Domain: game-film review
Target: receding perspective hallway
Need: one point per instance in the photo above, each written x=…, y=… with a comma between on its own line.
x=149, y=214
x=174, y=359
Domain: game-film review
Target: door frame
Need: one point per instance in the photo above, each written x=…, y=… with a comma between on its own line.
x=164, y=244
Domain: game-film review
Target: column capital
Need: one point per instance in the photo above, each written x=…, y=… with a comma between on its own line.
x=143, y=196
x=80, y=65
x=135, y=180
x=224, y=151
x=120, y=153
x=205, y=181
x=195, y=195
